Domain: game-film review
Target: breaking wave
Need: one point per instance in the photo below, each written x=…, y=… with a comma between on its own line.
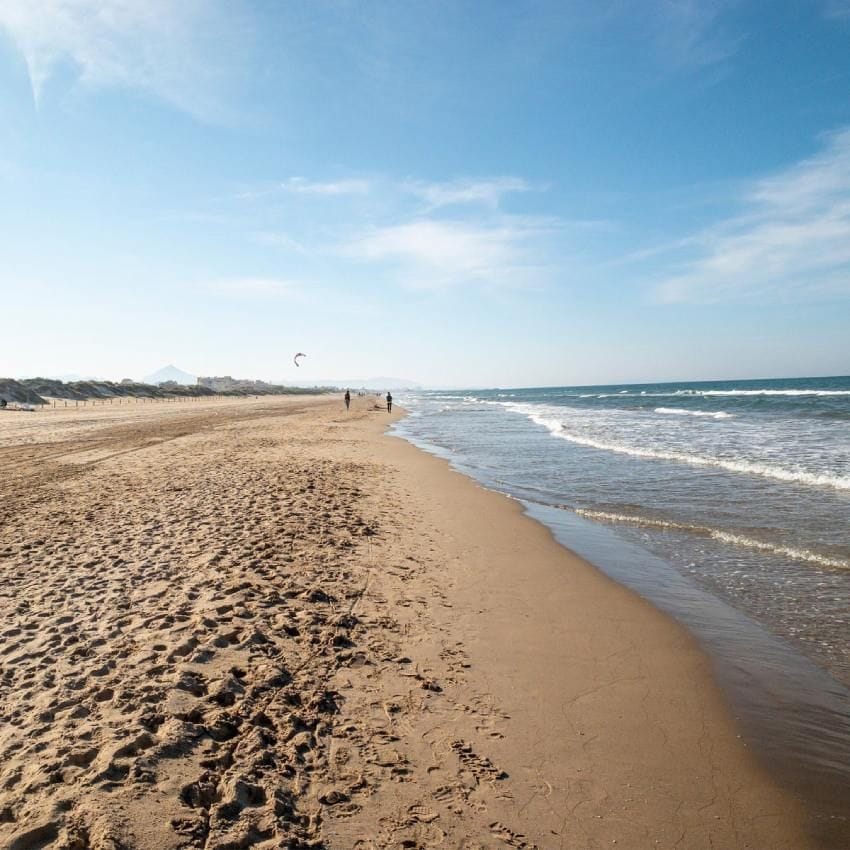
x=723, y=536
x=680, y=411
x=764, y=392
x=747, y=467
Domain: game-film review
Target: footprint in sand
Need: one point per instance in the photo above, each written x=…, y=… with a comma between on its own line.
x=480, y=766
x=509, y=837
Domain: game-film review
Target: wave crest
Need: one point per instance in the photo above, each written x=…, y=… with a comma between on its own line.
x=747, y=467
x=729, y=537
x=680, y=411
x=765, y=392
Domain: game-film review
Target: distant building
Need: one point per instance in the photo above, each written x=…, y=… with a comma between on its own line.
x=224, y=383
x=218, y=384
x=127, y=381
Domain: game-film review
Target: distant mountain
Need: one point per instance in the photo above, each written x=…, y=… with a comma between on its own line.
x=170, y=373
x=379, y=383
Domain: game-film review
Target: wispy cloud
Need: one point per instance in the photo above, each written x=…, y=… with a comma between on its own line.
x=792, y=239
x=280, y=239
x=157, y=46
x=462, y=191
x=423, y=234
x=302, y=186
x=258, y=288
x=688, y=33
x=455, y=192
x=432, y=253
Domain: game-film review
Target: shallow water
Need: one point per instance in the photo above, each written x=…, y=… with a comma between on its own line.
x=744, y=486
x=725, y=504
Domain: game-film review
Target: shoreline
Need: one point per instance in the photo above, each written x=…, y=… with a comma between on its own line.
x=343, y=641
x=791, y=711
x=693, y=662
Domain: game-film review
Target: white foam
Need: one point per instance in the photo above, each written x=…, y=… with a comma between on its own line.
x=765, y=392
x=680, y=411
x=747, y=467
x=635, y=520
x=787, y=551
x=794, y=476
x=761, y=392
x=724, y=536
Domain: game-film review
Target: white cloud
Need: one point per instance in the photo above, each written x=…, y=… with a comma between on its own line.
x=279, y=239
x=302, y=186
x=156, y=46
x=487, y=192
x=437, y=253
x=421, y=245
x=462, y=191
x=687, y=32
x=792, y=240
x=260, y=288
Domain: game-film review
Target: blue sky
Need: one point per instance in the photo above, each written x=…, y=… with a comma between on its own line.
x=488, y=193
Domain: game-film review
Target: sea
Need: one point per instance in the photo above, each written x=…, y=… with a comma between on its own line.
x=726, y=504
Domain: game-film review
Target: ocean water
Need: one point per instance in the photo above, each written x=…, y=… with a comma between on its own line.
x=725, y=503
x=742, y=485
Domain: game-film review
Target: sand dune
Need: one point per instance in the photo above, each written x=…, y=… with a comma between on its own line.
x=246, y=625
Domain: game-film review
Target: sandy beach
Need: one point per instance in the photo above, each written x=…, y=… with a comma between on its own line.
x=266, y=623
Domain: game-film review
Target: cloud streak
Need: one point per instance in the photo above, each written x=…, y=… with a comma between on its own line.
x=687, y=33
x=157, y=46
x=433, y=253
x=425, y=234
x=302, y=186
x=258, y=288
x=791, y=241
x=488, y=192
x=435, y=195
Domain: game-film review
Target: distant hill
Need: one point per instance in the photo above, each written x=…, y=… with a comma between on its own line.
x=38, y=390
x=170, y=373
x=16, y=391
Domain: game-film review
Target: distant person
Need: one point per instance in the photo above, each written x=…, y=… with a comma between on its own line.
x=389, y=403
x=347, y=399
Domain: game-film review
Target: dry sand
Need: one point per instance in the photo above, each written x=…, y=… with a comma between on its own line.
x=266, y=624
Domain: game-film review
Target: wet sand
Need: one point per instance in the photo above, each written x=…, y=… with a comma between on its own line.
x=265, y=623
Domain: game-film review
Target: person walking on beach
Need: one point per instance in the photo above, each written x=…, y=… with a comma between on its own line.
x=389, y=403
x=347, y=399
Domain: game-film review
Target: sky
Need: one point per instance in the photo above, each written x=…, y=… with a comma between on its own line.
x=488, y=193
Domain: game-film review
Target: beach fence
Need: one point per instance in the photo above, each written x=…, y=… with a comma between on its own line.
x=65, y=403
